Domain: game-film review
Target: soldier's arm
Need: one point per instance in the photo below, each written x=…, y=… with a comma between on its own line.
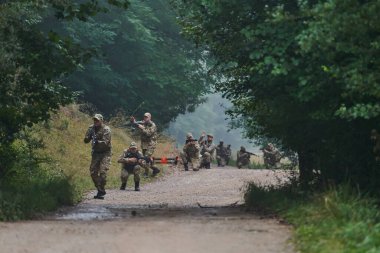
x=122, y=158
x=88, y=137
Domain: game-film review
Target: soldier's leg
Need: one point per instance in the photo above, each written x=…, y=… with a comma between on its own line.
x=124, y=178
x=104, y=167
x=136, y=177
x=94, y=169
x=195, y=164
x=218, y=160
x=206, y=159
x=222, y=161
x=184, y=160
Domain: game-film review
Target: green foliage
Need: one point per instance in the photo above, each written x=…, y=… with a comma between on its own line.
x=301, y=72
x=30, y=187
x=338, y=221
x=33, y=62
x=141, y=58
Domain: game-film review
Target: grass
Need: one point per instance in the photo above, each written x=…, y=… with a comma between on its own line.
x=45, y=178
x=339, y=220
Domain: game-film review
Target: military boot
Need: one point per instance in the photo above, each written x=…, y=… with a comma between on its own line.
x=208, y=165
x=137, y=186
x=123, y=185
x=155, y=171
x=100, y=194
x=186, y=166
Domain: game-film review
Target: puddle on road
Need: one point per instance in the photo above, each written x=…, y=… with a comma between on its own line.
x=88, y=213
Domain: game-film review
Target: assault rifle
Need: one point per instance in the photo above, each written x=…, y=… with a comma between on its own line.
x=93, y=136
x=250, y=153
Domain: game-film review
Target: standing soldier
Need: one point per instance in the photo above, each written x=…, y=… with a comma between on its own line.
x=190, y=153
x=221, y=152
x=228, y=154
x=207, y=150
x=242, y=158
x=132, y=160
x=100, y=136
x=148, y=131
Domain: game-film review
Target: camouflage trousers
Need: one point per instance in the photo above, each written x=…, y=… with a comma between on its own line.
x=242, y=162
x=194, y=161
x=126, y=173
x=206, y=160
x=221, y=160
x=100, y=164
x=148, y=153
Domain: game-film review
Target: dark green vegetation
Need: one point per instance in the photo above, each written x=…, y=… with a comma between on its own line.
x=141, y=57
x=305, y=73
x=339, y=220
x=114, y=54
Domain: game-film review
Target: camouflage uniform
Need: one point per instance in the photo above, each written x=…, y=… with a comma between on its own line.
x=221, y=153
x=148, y=137
x=228, y=154
x=242, y=158
x=207, y=151
x=100, y=138
x=191, y=155
x=272, y=156
x=131, y=166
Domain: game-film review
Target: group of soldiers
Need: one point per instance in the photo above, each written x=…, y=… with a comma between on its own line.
x=132, y=159
x=199, y=153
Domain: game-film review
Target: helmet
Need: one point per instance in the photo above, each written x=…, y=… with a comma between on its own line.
x=98, y=117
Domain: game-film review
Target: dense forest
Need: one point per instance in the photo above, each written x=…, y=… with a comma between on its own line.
x=116, y=55
x=305, y=73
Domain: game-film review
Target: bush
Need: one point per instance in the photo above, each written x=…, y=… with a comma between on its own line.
x=339, y=220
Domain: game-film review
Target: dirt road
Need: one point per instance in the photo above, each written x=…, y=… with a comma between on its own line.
x=181, y=212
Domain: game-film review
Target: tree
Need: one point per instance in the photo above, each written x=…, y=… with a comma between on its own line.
x=141, y=58
x=302, y=72
x=32, y=63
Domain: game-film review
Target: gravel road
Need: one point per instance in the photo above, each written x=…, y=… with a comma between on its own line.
x=180, y=212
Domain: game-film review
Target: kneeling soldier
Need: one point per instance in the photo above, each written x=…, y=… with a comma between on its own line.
x=132, y=160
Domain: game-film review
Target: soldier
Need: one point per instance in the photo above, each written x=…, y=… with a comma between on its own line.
x=207, y=150
x=190, y=153
x=272, y=156
x=100, y=136
x=228, y=154
x=242, y=158
x=221, y=152
x=132, y=160
x=148, y=131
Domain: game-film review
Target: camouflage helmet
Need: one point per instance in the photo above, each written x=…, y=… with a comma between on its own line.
x=133, y=145
x=242, y=148
x=210, y=135
x=98, y=117
x=189, y=136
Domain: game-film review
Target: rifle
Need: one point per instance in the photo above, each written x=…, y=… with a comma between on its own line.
x=93, y=136
x=250, y=153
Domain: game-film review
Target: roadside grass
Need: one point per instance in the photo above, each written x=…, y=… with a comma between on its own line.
x=56, y=172
x=338, y=220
